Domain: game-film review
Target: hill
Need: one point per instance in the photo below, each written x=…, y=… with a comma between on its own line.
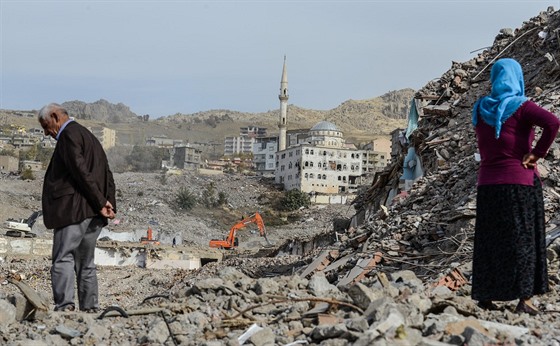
x=360, y=120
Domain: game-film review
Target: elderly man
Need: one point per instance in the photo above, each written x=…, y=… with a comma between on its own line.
x=78, y=198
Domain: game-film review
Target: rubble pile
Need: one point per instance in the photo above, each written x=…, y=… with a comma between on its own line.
x=398, y=274
x=437, y=215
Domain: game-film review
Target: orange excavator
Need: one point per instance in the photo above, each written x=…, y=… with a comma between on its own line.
x=231, y=241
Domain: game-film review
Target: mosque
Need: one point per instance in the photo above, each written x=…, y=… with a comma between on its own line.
x=321, y=162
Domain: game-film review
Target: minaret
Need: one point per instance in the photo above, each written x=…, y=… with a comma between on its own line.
x=283, y=108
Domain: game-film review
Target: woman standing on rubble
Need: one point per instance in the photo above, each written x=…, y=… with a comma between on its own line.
x=509, y=259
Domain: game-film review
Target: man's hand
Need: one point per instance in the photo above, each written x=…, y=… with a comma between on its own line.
x=108, y=211
x=530, y=161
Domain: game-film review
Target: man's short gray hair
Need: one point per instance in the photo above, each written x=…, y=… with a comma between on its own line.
x=45, y=112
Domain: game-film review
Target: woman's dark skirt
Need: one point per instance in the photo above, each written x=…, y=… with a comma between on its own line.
x=509, y=259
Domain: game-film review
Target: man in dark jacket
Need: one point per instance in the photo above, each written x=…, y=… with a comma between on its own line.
x=78, y=198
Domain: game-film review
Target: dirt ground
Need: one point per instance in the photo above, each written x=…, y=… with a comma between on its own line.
x=145, y=201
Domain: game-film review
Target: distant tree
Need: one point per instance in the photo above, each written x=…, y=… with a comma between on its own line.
x=27, y=174
x=184, y=199
x=37, y=153
x=208, y=195
x=293, y=200
x=29, y=154
x=44, y=155
x=117, y=157
x=146, y=159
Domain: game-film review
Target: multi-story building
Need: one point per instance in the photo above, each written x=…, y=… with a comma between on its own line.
x=264, y=154
x=106, y=136
x=376, y=155
x=324, y=164
x=186, y=157
x=23, y=141
x=253, y=131
x=238, y=145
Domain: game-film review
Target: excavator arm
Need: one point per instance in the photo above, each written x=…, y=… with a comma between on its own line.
x=231, y=240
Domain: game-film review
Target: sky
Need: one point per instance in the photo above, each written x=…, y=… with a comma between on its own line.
x=180, y=56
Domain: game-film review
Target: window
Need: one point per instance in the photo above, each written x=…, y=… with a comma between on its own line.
x=307, y=151
x=324, y=176
x=311, y=176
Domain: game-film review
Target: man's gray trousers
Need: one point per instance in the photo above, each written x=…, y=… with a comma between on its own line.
x=73, y=256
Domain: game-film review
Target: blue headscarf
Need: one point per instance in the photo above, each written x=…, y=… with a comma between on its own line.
x=508, y=93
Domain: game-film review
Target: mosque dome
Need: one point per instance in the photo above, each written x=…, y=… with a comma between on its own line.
x=324, y=126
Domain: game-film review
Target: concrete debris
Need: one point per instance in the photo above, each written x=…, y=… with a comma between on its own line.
x=396, y=277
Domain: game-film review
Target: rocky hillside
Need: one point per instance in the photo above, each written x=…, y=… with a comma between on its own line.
x=101, y=110
x=379, y=115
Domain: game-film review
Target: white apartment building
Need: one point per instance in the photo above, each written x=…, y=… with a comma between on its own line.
x=325, y=164
x=264, y=155
x=238, y=145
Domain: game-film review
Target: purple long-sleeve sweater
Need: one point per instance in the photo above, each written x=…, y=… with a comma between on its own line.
x=501, y=157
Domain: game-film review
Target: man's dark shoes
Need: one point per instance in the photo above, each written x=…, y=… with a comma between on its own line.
x=523, y=307
x=66, y=308
x=487, y=305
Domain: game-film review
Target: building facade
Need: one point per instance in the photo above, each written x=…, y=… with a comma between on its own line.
x=264, y=155
x=106, y=136
x=238, y=145
x=186, y=157
x=9, y=163
x=325, y=163
x=162, y=142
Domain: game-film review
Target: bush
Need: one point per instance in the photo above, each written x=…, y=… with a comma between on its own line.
x=27, y=174
x=185, y=199
x=209, y=198
x=163, y=178
x=146, y=159
x=294, y=199
x=222, y=198
x=8, y=152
